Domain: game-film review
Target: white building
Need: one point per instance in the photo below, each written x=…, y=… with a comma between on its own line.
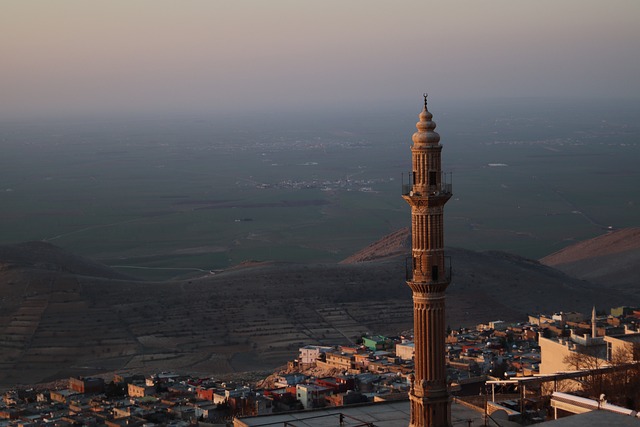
x=310, y=353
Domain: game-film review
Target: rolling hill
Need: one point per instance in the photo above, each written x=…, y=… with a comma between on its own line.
x=63, y=315
x=611, y=260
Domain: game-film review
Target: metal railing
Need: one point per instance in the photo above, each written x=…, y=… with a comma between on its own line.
x=444, y=276
x=443, y=187
x=341, y=418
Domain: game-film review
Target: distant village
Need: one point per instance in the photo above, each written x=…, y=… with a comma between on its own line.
x=348, y=184
x=488, y=368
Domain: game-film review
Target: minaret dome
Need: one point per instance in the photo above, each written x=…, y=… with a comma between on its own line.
x=426, y=134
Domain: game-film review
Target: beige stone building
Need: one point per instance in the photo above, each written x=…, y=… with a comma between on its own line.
x=564, y=354
x=339, y=360
x=405, y=350
x=140, y=390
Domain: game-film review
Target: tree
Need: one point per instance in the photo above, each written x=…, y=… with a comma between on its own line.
x=620, y=386
x=587, y=360
x=624, y=385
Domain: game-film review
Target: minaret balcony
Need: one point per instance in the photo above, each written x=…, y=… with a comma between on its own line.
x=441, y=187
x=434, y=276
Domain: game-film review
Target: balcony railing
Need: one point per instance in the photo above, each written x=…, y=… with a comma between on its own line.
x=443, y=187
x=444, y=276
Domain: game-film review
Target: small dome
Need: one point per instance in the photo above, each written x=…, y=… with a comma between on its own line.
x=426, y=126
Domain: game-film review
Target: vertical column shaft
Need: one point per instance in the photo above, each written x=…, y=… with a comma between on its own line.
x=430, y=403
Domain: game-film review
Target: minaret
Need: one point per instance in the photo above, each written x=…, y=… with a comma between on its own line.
x=594, y=328
x=427, y=194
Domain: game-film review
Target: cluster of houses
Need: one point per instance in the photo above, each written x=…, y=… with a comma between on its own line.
x=605, y=340
x=494, y=349
x=376, y=369
x=165, y=398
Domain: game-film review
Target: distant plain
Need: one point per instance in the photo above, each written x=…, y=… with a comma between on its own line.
x=170, y=197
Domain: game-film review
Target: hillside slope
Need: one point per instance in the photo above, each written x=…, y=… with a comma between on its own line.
x=612, y=260
x=394, y=244
x=55, y=324
x=45, y=256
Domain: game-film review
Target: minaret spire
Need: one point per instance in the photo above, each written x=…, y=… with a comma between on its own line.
x=427, y=194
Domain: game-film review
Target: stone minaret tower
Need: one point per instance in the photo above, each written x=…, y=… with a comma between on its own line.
x=427, y=194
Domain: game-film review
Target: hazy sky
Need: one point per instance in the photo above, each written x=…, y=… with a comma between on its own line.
x=79, y=56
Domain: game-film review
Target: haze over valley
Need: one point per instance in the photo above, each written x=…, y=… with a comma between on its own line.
x=173, y=197
x=206, y=186
x=226, y=223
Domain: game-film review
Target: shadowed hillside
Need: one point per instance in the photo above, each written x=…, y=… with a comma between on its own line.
x=55, y=323
x=498, y=284
x=45, y=256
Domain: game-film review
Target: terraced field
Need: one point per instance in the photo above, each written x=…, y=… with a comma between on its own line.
x=55, y=323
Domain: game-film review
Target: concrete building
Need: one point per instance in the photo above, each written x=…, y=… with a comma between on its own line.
x=62, y=396
x=340, y=360
x=562, y=354
x=86, y=385
x=286, y=380
x=204, y=410
x=569, y=316
x=622, y=311
x=312, y=396
x=309, y=354
x=376, y=342
x=623, y=348
x=498, y=325
x=555, y=352
x=140, y=390
x=427, y=194
x=405, y=350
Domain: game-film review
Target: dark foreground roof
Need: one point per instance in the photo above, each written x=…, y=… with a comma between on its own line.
x=595, y=419
x=383, y=414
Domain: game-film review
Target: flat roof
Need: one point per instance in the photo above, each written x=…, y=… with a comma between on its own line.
x=397, y=413
x=382, y=414
x=595, y=419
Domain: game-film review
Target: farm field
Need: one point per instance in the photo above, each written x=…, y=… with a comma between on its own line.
x=162, y=198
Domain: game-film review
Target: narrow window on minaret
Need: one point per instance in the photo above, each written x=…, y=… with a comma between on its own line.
x=432, y=178
x=434, y=273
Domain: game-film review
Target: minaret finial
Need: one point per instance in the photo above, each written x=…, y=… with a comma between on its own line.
x=425, y=99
